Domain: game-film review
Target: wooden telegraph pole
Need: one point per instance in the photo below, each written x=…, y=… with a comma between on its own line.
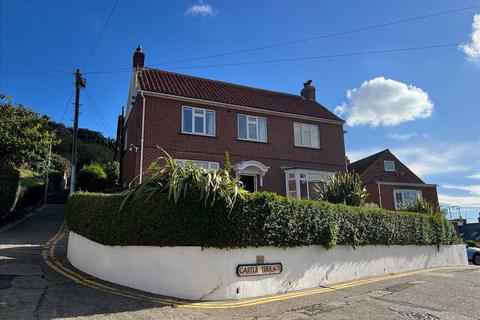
x=79, y=83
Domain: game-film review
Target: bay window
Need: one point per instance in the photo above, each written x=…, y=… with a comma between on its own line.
x=404, y=198
x=198, y=121
x=252, y=128
x=305, y=184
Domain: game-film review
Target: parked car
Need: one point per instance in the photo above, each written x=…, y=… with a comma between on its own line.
x=473, y=255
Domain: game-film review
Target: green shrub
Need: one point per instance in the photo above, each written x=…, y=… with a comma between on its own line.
x=471, y=243
x=257, y=219
x=92, y=178
x=112, y=169
x=422, y=206
x=9, y=188
x=166, y=175
x=343, y=188
x=55, y=178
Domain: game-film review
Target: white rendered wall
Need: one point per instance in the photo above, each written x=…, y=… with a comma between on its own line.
x=210, y=274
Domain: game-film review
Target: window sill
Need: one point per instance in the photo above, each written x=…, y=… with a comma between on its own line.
x=312, y=148
x=199, y=134
x=256, y=141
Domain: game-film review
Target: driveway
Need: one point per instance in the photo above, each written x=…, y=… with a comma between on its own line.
x=31, y=289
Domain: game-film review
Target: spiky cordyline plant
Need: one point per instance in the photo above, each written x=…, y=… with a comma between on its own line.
x=344, y=188
x=421, y=206
x=167, y=175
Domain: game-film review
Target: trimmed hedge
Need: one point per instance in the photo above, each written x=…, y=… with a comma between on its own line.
x=261, y=219
x=9, y=188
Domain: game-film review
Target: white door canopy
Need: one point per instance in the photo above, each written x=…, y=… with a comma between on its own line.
x=251, y=167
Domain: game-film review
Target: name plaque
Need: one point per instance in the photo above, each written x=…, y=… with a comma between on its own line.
x=247, y=270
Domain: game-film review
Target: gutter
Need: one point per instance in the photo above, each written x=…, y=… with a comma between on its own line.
x=142, y=139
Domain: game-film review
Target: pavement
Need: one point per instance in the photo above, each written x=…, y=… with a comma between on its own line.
x=30, y=288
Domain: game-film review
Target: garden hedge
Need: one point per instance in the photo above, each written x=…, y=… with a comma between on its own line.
x=9, y=188
x=261, y=219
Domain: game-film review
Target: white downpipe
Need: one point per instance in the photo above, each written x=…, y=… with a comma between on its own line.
x=379, y=195
x=142, y=138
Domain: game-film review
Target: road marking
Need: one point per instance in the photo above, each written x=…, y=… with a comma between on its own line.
x=12, y=224
x=48, y=255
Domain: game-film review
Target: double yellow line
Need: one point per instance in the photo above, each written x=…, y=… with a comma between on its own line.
x=48, y=254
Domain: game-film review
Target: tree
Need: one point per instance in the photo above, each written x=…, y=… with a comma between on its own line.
x=24, y=135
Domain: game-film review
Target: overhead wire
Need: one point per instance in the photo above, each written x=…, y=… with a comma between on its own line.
x=66, y=106
x=97, y=113
x=46, y=25
x=100, y=34
x=326, y=56
x=323, y=36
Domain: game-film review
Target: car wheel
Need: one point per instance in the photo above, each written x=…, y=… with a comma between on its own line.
x=476, y=259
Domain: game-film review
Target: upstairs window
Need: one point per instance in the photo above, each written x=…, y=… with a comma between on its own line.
x=252, y=128
x=306, y=135
x=389, y=165
x=198, y=121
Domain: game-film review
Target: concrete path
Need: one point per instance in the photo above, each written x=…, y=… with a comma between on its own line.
x=30, y=289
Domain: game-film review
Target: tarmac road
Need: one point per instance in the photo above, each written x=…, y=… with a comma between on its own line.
x=31, y=289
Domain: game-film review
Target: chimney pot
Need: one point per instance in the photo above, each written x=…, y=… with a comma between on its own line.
x=308, y=91
x=138, y=58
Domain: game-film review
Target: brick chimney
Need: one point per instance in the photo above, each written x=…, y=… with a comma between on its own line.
x=308, y=91
x=138, y=58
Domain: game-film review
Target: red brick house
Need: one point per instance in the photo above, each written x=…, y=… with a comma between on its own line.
x=389, y=183
x=277, y=141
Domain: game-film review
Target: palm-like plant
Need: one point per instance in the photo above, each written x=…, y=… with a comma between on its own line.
x=343, y=188
x=166, y=175
x=422, y=206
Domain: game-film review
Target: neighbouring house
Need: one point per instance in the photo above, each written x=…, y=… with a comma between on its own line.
x=467, y=231
x=278, y=142
x=390, y=183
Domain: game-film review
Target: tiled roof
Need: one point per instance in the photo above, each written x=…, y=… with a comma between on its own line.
x=470, y=231
x=363, y=164
x=211, y=90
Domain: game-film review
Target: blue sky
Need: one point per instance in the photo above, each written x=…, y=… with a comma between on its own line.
x=424, y=105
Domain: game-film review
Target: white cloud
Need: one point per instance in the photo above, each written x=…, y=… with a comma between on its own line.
x=201, y=9
x=473, y=189
x=472, y=49
x=385, y=102
x=475, y=175
x=461, y=201
x=407, y=136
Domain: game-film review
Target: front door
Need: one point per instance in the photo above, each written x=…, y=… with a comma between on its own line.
x=249, y=182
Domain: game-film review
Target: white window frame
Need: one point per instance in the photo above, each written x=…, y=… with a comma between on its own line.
x=247, y=121
x=302, y=127
x=204, y=116
x=399, y=206
x=297, y=173
x=211, y=165
x=385, y=165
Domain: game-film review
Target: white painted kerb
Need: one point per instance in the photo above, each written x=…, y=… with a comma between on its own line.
x=210, y=274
